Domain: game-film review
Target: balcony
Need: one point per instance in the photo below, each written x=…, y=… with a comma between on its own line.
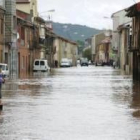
x=41, y=41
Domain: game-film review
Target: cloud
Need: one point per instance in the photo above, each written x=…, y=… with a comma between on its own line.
x=84, y=12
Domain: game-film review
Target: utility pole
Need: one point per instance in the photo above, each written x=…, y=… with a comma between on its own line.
x=11, y=37
x=50, y=53
x=50, y=38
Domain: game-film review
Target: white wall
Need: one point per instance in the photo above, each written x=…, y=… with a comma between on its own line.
x=118, y=18
x=65, y=49
x=95, y=41
x=29, y=6
x=42, y=31
x=2, y=3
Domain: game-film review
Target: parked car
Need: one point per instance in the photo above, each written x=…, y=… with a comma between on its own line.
x=99, y=63
x=65, y=62
x=70, y=62
x=4, y=69
x=89, y=62
x=84, y=62
x=78, y=62
x=40, y=65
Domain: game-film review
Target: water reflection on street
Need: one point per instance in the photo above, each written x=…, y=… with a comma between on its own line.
x=79, y=103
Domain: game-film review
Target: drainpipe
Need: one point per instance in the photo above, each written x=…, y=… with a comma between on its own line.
x=119, y=50
x=3, y=55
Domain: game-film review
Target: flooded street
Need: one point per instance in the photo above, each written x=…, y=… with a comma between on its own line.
x=79, y=103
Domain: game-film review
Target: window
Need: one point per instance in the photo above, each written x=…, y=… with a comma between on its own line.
x=6, y=67
x=2, y=26
x=37, y=63
x=2, y=67
x=42, y=63
x=23, y=62
x=22, y=33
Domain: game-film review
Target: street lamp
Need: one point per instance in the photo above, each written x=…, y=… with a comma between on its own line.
x=52, y=10
x=109, y=19
x=50, y=37
x=49, y=15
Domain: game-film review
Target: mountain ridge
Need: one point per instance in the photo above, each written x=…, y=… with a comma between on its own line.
x=74, y=32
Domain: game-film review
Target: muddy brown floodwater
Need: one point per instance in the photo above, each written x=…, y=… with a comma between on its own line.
x=79, y=103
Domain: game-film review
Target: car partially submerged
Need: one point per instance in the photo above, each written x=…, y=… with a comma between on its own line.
x=4, y=69
x=84, y=62
x=65, y=62
x=40, y=65
x=99, y=63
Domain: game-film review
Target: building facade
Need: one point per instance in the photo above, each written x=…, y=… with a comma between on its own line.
x=2, y=31
x=65, y=49
x=10, y=49
x=120, y=40
x=95, y=41
x=24, y=36
x=134, y=40
x=29, y=7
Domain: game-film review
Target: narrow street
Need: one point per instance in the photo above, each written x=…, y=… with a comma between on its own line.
x=78, y=103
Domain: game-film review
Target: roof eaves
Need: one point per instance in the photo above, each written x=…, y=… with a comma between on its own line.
x=22, y=1
x=133, y=10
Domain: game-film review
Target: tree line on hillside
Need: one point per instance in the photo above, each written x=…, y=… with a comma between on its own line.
x=74, y=32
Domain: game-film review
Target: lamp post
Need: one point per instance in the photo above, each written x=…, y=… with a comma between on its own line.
x=49, y=17
x=52, y=10
x=49, y=38
x=109, y=23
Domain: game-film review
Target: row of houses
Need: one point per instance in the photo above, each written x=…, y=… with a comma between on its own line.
x=121, y=40
x=133, y=12
x=125, y=39
x=101, y=47
x=25, y=36
x=122, y=44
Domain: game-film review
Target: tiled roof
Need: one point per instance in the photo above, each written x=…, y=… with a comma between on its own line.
x=106, y=40
x=133, y=10
x=22, y=1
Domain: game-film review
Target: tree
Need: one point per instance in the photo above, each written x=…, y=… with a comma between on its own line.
x=80, y=46
x=87, y=53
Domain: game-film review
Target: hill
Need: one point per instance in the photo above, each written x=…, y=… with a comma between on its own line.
x=74, y=32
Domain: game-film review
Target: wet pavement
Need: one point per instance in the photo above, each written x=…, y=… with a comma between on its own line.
x=79, y=103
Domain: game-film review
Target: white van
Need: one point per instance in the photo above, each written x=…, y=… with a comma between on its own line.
x=40, y=65
x=5, y=69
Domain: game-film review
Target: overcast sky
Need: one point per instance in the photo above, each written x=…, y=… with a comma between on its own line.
x=84, y=12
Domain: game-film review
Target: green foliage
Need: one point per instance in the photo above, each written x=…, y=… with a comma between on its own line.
x=80, y=46
x=80, y=43
x=87, y=53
